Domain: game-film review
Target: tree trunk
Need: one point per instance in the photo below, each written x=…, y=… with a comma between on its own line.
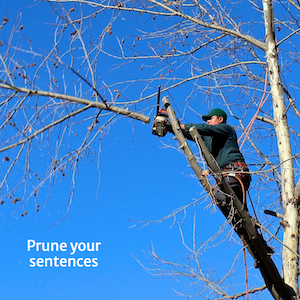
x=291, y=230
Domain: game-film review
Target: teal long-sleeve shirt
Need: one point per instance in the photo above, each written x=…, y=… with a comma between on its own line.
x=221, y=141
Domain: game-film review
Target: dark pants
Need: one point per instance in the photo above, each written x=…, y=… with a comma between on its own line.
x=239, y=187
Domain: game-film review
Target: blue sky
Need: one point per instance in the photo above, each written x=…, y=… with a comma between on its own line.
x=140, y=180
x=122, y=195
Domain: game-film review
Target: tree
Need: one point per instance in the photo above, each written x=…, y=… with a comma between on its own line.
x=239, y=55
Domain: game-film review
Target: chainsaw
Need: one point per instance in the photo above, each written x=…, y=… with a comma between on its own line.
x=161, y=122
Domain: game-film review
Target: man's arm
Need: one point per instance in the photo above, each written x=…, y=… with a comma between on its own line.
x=211, y=130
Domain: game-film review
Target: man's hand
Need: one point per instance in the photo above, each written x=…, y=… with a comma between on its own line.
x=205, y=173
x=182, y=126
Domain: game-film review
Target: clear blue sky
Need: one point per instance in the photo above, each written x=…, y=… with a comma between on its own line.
x=140, y=180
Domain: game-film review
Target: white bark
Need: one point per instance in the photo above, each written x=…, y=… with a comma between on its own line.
x=291, y=230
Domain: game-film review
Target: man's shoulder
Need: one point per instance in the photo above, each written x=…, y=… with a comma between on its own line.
x=225, y=127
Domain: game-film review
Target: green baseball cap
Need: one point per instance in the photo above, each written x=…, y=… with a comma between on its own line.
x=215, y=112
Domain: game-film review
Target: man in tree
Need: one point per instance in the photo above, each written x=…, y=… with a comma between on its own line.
x=221, y=141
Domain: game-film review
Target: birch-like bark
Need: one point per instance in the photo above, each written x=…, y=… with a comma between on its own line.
x=291, y=230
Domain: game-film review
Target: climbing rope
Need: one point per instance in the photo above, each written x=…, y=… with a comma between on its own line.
x=262, y=102
x=246, y=269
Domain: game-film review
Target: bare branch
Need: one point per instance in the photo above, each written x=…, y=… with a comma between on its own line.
x=89, y=103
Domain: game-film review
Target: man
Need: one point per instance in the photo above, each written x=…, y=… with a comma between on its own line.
x=221, y=141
